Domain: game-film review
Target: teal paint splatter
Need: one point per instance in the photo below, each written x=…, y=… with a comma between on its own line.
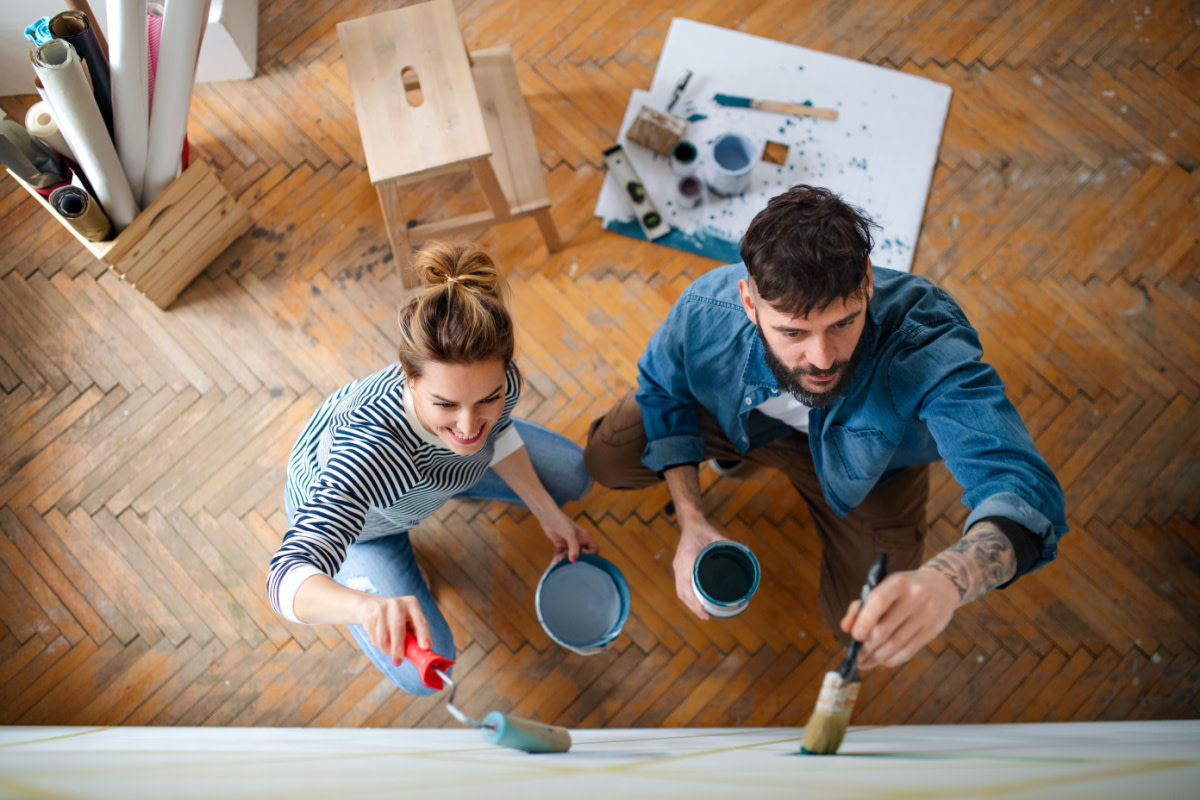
x=706, y=242
x=697, y=117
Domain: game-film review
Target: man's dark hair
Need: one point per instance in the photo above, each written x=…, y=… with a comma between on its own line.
x=807, y=249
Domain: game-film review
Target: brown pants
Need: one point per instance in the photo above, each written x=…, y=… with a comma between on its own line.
x=891, y=519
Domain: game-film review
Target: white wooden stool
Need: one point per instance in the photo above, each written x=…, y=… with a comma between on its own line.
x=426, y=107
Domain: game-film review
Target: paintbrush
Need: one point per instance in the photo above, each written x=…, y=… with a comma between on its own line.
x=802, y=109
x=827, y=725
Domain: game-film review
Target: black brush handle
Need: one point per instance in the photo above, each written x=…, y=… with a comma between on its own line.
x=849, y=666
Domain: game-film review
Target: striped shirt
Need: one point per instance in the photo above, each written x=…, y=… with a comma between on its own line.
x=365, y=467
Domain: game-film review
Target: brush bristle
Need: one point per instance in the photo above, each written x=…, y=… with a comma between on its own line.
x=827, y=727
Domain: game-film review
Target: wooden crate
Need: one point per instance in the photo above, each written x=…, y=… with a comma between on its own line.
x=174, y=238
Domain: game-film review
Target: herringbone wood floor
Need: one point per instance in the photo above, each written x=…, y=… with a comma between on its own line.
x=143, y=452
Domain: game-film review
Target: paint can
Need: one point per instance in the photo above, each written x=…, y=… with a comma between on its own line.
x=691, y=191
x=729, y=164
x=583, y=605
x=683, y=159
x=725, y=577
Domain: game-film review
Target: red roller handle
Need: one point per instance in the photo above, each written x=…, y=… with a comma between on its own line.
x=426, y=661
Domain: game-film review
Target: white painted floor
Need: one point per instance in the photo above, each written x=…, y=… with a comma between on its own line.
x=1119, y=760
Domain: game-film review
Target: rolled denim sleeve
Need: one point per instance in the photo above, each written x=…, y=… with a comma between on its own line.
x=669, y=406
x=981, y=437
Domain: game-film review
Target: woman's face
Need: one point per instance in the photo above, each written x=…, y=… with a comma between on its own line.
x=459, y=403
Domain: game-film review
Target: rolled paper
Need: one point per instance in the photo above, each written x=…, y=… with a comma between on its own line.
x=173, y=82
x=79, y=120
x=154, y=22
x=36, y=163
x=39, y=31
x=76, y=28
x=82, y=5
x=128, y=56
x=39, y=121
x=81, y=212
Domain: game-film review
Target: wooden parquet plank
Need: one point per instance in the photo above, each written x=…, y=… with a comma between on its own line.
x=24, y=580
x=682, y=685
x=75, y=665
x=165, y=591
x=36, y=422
x=168, y=690
x=1042, y=705
x=1141, y=465
x=21, y=613
x=1155, y=693
x=134, y=679
x=772, y=689
x=216, y=557
x=971, y=693
x=1032, y=680
x=734, y=679
x=72, y=447
x=558, y=690
x=1070, y=700
x=276, y=688
x=46, y=348
x=192, y=580
x=206, y=698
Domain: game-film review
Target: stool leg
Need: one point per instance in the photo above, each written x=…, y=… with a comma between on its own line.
x=549, y=231
x=486, y=175
x=397, y=232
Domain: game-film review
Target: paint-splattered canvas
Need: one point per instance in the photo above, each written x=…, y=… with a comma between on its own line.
x=878, y=155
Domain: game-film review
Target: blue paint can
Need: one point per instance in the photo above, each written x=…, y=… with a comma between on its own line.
x=725, y=576
x=733, y=156
x=583, y=605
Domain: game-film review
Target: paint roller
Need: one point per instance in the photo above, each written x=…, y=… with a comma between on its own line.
x=502, y=729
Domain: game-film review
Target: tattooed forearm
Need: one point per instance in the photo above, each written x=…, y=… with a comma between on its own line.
x=976, y=563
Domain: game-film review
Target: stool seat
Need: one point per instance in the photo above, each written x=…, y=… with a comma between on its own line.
x=426, y=107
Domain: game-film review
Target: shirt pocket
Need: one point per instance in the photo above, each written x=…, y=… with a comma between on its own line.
x=862, y=455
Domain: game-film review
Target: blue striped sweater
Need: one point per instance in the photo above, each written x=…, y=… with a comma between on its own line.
x=364, y=467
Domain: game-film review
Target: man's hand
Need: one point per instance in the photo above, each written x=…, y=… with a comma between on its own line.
x=908, y=609
x=692, y=540
x=569, y=538
x=902, y=615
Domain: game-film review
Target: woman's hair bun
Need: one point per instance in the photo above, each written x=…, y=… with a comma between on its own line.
x=461, y=264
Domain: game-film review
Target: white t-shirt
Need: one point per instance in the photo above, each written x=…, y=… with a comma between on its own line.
x=786, y=408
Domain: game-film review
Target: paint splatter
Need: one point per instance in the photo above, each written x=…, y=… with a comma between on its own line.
x=697, y=117
x=709, y=241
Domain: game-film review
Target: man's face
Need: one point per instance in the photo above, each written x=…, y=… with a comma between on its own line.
x=813, y=356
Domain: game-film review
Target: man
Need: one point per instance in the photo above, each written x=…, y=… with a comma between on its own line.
x=850, y=380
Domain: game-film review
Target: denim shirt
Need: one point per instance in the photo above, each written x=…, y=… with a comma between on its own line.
x=920, y=394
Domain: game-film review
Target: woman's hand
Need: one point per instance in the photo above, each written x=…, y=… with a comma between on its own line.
x=568, y=537
x=386, y=620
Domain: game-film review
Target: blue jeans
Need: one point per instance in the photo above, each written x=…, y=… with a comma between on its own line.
x=385, y=566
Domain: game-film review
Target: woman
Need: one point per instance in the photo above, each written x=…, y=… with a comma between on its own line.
x=386, y=451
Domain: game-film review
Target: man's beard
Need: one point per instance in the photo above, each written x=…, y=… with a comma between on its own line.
x=789, y=379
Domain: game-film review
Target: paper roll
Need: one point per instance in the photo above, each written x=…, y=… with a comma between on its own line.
x=39, y=31
x=82, y=5
x=34, y=161
x=128, y=65
x=75, y=27
x=176, y=75
x=39, y=121
x=81, y=212
x=80, y=122
x=154, y=20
